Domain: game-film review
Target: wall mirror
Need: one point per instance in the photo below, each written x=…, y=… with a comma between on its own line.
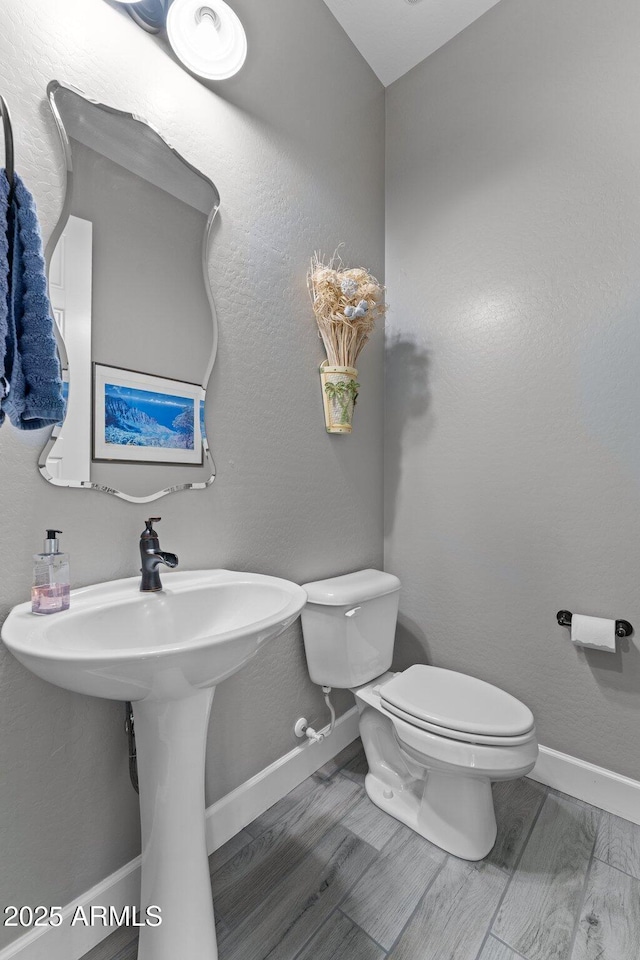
x=129, y=288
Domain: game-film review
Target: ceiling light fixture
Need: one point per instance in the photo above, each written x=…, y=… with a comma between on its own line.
x=206, y=35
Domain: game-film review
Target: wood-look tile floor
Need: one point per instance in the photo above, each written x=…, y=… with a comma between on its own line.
x=325, y=875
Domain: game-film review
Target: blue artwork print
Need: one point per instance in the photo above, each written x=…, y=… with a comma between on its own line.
x=203, y=432
x=142, y=418
x=65, y=400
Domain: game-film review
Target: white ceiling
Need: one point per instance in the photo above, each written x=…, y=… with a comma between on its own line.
x=394, y=35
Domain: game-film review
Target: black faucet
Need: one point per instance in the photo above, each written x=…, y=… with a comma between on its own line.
x=152, y=556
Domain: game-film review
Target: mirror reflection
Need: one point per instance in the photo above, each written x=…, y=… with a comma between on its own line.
x=129, y=288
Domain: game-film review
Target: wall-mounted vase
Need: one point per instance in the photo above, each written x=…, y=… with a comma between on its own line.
x=339, y=392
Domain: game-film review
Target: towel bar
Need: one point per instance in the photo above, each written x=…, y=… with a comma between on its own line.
x=623, y=627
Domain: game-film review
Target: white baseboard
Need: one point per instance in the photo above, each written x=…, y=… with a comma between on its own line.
x=65, y=942
x=600, y=787
x=224, y=819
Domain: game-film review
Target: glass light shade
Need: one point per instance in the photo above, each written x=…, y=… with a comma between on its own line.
x=208, y=37
x=148, y=14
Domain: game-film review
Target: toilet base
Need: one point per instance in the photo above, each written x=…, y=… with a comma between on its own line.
x=450, y=810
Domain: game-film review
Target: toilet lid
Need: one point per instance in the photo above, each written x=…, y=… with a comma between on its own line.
x=456, y=701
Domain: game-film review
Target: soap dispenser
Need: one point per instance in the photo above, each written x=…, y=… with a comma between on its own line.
x=51, y=581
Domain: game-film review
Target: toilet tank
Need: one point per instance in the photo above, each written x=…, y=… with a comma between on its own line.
x=349, y=626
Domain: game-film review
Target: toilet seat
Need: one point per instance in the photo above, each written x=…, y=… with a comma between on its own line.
x=479, y=738
x=457, y=706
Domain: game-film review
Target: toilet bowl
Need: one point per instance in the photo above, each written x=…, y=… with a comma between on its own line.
x=439, y=782
x=434, y=739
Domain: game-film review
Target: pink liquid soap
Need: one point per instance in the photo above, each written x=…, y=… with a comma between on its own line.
x=51, y=598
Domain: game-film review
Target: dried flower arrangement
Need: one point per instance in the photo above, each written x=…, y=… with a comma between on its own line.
x=346, y=303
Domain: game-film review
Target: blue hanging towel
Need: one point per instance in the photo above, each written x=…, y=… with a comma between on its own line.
x=4, y=285
x=32, y=383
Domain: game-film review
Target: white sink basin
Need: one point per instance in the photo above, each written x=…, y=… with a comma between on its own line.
x=118, y=643
x=165, y=652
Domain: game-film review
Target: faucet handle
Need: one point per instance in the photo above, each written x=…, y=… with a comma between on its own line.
x=148, y=526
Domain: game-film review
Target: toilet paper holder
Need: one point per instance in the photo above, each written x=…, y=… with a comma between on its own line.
x=623, y=627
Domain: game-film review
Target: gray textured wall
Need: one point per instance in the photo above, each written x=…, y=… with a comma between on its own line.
x=513, y=428
x=295, y=144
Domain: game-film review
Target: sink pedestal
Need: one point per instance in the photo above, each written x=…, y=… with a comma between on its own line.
x=171, y=742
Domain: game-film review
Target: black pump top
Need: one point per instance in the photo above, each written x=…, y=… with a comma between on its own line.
x=52, y=544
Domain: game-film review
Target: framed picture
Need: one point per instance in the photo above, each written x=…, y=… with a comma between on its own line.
x=141, y=418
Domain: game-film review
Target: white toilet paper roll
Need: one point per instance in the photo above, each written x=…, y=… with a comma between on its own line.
x=597, y=633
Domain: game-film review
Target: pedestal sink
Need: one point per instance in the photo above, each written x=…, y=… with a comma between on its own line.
x=165, y=652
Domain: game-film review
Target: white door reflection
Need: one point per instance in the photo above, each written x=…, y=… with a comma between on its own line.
x=70, y=293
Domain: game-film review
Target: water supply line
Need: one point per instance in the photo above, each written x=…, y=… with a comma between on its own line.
x=332, y=710
x=302, y=728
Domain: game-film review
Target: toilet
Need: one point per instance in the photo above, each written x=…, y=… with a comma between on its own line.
x=434, y=739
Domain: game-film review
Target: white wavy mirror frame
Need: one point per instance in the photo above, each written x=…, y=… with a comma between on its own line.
x=129, y=287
